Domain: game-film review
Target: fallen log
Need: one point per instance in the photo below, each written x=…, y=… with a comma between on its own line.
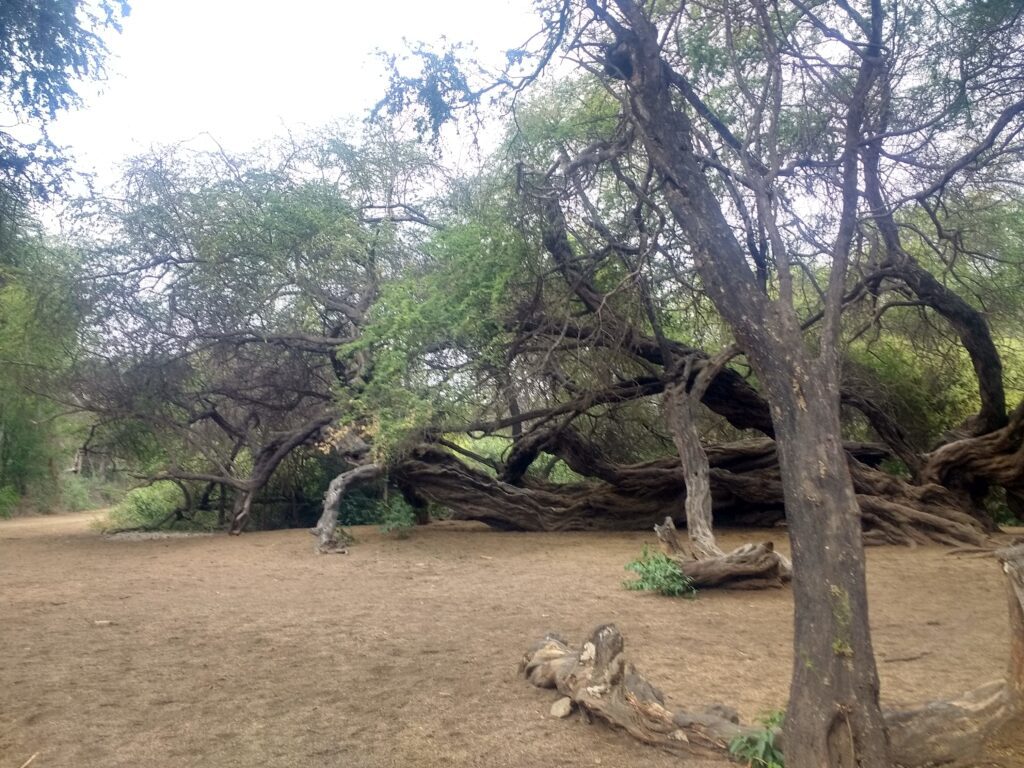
x=745, y=490
x=601, y=682
x=752, y=566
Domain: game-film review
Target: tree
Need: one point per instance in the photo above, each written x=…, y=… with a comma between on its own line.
x=850, y=118
x=46, y=46
x=224, y=293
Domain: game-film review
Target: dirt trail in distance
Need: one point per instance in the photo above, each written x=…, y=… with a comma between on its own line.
x=253, y=651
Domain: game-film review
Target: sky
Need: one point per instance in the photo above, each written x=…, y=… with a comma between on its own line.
x=245, y=70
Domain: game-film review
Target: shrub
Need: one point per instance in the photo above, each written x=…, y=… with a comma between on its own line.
x=146, y=507
x=75, y=494
x=658, y=573
x=758, y=749
x=397, y=517
x=9, y=498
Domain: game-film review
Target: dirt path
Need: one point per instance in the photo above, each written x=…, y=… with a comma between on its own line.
x=210, y=651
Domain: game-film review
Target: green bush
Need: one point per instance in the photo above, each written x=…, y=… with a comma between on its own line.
x=397, y=517
x=658, y=573
x=75, y=494
x=362, y=506
x=146, y=507
x=9, y=498
x=758, y=749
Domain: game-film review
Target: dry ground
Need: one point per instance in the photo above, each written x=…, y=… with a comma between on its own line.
x=210, y=651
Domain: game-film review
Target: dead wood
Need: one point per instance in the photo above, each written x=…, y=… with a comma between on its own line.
x=330, y=538
x=604, y=684
x=954, y=732
x=752, y=566
x=745, y=490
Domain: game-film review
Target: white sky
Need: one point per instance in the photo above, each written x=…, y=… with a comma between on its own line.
x=243, y=70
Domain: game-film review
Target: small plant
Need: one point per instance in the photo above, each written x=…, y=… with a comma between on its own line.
x=758, y=749
x=658, y=573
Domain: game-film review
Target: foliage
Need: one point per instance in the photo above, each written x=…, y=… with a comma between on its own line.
x=657, y=572
x=397, y=517
x=38, y=320
x=758, y=749
x=8, y=500
x=46, y=46
x=146, y=507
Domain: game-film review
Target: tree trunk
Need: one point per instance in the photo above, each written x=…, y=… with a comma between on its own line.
x=752, y=566
x=748, y=567
x=682, y=423
x=745, y=485
x=995, y=458
x=834, y=713
x=326, y=530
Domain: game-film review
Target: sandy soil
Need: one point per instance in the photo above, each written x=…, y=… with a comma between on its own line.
x=210, y=651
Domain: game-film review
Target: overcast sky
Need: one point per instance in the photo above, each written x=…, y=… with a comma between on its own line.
x=242, y=70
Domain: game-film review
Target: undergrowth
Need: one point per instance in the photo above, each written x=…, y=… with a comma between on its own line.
x=758, y=749
x=657, y=572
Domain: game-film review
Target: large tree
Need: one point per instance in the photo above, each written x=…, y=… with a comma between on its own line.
x=792, y=145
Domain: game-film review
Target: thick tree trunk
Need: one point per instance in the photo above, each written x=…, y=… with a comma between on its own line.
x=745, y=485
x=834, y=713
x=996, y=458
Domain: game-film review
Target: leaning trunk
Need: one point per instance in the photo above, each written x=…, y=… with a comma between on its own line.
x=679, y=412
x=329, y=538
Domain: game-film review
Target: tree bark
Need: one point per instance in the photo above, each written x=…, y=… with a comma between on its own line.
x=745, y=485
x=602, y=683
x=834, y=713
x=995, y=458
x=752, y=566
x=326, y=529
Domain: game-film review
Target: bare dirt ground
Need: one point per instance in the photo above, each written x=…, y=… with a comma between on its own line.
x=253, y=651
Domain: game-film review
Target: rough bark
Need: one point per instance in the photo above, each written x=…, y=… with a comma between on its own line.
x=752, y=566
x=745, y=486
x=706, y=565
x=996, y=458
x=326, y=529
x=603, y=684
